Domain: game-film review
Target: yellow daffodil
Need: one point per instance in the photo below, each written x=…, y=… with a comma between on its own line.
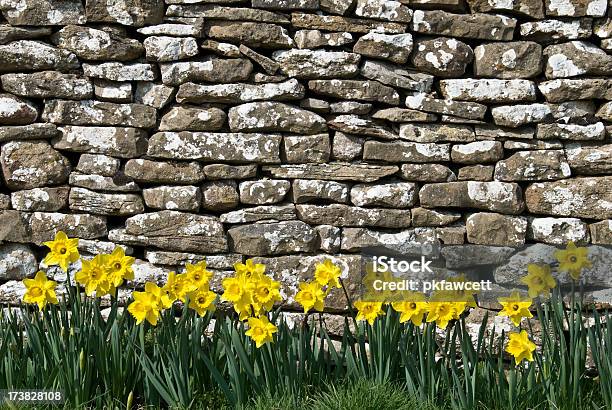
x=573, y=260
x=539, y=280
x=239, y=290
x=443, y=311
x=198, y=274
x=119, y=267
x=177, y=286
x=520, y=346
x=266, y=292
x=412, y=308
x=461, y=294
x=144, y=306
x=328, y=274
x=515, y=307
x=310, y=296
x=368, y=311
x=63, y=251
x=260, y=330
x=159, y=296
x=249, y=268
x=40, y=290
x=94, y=276
x=201, y=300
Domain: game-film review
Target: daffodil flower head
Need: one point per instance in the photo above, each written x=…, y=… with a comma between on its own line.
x=412, y=308
x=328, y=274
x=177, y=286
x=368, y=310
x=250, y=268
x=119, y=267
x=573, y=260
x=62, y=251
x=266, y=292
x=202, y=300
x=441, y=310
x=539, y=280
x=198, y=274
x=310, y=296
x=144, y=306
x=260, y=330
x=159, y=296
x=520, y=346
x=94, y=276
x=516, y=307
x=40, y=290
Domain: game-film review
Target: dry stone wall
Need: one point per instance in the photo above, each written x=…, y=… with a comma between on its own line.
x=289, y=130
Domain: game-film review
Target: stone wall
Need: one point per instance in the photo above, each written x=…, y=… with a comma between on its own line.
x=294, y=129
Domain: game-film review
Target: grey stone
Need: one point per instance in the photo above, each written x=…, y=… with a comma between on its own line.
x=393, y=47
x=488, y=90
x=45, y=225
x=209, y=12
x=444, y=57
x=308, y=64
x=403, y=115
x=558, y=231
x=27, y=165
x=306, y=148
x=575, y=8
x=84, y=200
x=355, y=90
x=113, y=91
x=528, y=8
x=521, y=114
x=114, y=141
x=172, y=29
x=401, y=151
x=589, y=160
x=263, y=192
x=143, y=170
x=16, y=111
x=464, y=109
x=476, y=26
x=336, y=6
x=155, y=95
x=485, y=228
x=43, y=12
x=271, y=116
x=432, y=217
x=286, y=4
x=427, y=173
x=92, y=44
x=316, y=39
x=116, y=183
x=165, y=48
x=502, y=197
x=551, y=31
x=99, y=113
x=410, y=242
x=40, y=199
x=353, y=124
x=120, y=71
x=17, y=262
x=224, y=171
x=345, y=215
x=48, y=84
x=256, y=35
x=307, y=190
x=338, y=171
x=476, y=173
x=396, y=76
x=273, y=238
x=178, y=198
x=601, y=232
x=350, y=107
x=29, y=55
x=575, y=132
x=518, y=59
x=533, y=166
x=137, y=13
x=260, y=213
x=580, y=198
x=220, y=195
x=388, y=10
x=208, y=146
x=346, y=147
x=468, y=256
x=436, y=133
x=239, y=93
x=192, y=119
x=477, y=152
x=576, y=89
x=392, y=194
x=340, y=23
x=10, y=33
x=576, y=58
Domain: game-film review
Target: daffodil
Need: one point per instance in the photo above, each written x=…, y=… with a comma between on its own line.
x=310, y=296
x=119, y=267
x=40, y=290
x=442, y=312
x=201, y=300
x=144, y=306
x=260, y=330
x=198, y=274
x=515, y=307
x=249, y=268
x=63, y=251
x=328, y=274
x=239, y=291
x=461, y=294
x=177, y=286
x=159, y=296
x=539, y=280
x=412, y=308
x=94, y=276
x=266, y=292
x=520, y=346
x=573, y=260
x=368, y=311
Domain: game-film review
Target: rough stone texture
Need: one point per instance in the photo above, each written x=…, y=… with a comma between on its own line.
x=495, y=229
x=294, y=130
x=580, y=197
x=27, y=165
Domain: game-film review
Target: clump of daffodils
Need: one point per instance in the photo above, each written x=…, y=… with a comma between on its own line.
x=253, y=294
x=311, y=295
